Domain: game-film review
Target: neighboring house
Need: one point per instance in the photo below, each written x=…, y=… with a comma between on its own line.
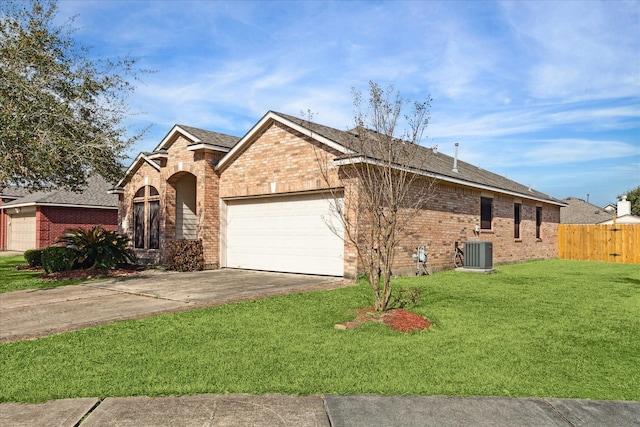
x=578, y=211
x=610, y=207
x=624, y=216
x=9, y=194
x=258, y=202
x=624, y=219
x=35, y=220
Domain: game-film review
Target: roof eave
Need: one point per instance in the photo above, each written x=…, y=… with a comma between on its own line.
x=207, y=147
x=249, y=137
x=169, y=136
x=141, y=157
x=67, y=205
x=440, y=177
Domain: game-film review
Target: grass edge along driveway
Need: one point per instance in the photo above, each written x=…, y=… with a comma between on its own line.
x=12, y=279
x=555, y=328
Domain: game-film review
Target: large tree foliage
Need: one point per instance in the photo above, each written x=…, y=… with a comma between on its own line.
x=634, y=197
x=61, y=112
x=383, y=184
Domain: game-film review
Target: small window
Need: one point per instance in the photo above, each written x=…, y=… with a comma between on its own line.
x=538, y=221
x=486, y=213
x=517, y=212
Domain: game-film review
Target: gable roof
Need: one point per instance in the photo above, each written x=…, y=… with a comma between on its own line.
x=12, y=193
x=93, y=196
x=200, y=138
x=578, y=211
x=438, y=165
x=324, y=134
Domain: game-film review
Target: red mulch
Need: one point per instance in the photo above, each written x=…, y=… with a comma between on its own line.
x=397, y=318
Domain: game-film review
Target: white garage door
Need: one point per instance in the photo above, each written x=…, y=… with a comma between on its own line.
x=288, y=234
x=21, y=231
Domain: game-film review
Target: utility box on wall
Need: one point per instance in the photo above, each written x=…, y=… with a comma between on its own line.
x=478, y=255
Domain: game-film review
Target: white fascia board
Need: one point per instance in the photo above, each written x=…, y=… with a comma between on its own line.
x=64, y=205
x=362, y=159
x=175, y=129
x=248, y=138
x=205, y=146
x=157, y=155
x=141, y=157
x=18, y=205
x=118, y=190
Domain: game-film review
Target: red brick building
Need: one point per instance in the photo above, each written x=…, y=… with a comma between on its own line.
x=35, y=220
x=258, y=202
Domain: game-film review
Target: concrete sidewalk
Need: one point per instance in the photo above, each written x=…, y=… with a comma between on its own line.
x=321, y=411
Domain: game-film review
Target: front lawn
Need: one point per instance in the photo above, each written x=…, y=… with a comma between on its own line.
x=19, y=280
x=563, y=329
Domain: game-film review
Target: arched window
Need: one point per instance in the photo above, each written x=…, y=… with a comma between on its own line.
x=146, y=218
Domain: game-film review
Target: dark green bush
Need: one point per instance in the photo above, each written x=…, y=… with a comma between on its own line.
x=33, y=257
x=185, y=255
x=58, y=258
x=406, y=297
x=99, y=248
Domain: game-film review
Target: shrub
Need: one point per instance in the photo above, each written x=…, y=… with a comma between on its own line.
x=33, y=257
x=406, y=297
x=58, y=258
x=185, y=255
x=99, y=248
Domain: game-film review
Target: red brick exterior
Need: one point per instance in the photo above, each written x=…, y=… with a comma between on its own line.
x=452, y=214
x=180, y=161
x=3, y=228
x=280, y=160
x=52, y=221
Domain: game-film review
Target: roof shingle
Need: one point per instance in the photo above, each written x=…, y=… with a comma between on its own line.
x=95, y=194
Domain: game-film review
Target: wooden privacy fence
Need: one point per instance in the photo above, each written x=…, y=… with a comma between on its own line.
x=595, y=242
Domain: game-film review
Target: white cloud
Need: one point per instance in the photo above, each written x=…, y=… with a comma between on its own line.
x=579, y=49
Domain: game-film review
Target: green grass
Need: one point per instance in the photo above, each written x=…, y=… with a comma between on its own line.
x=554, y=328
x=19, y=280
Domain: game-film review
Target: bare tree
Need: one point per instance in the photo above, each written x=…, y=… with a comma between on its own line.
x=381, y=183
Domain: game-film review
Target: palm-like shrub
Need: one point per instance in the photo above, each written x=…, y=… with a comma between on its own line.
x=99, y=248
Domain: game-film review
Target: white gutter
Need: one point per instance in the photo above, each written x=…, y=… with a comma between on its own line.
x=275, y=117
x=363, y=159
x=203, y=145
x=60, y=205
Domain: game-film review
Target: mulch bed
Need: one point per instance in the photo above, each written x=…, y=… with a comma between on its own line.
x=397, y=318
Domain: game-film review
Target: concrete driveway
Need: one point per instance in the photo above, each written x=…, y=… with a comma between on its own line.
x=36, y=313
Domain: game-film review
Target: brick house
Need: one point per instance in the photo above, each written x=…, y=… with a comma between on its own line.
x=258, y=202
x=35, y=220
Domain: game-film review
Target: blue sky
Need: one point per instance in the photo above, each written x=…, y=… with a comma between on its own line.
x=545, y=93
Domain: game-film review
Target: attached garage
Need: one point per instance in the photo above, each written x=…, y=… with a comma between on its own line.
x=290, y=234
x=21, y=230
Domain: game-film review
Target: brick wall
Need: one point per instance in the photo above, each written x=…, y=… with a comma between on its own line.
x=279, y=161
x=52, y=221
x=179, y=163
x=3, y=228
x=452, y=214
x=279, y=156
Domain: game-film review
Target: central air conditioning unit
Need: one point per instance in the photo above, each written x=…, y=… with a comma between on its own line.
x=478, y=255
